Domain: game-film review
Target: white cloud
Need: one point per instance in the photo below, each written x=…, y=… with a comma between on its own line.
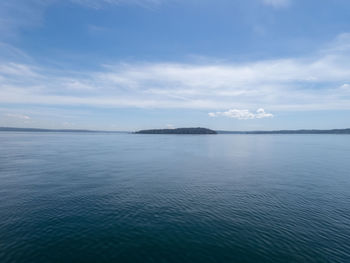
x=345, y=87
x=241, y=114
x=18, y=116
x=16, y=69
x=283, y=84
x=277, y=3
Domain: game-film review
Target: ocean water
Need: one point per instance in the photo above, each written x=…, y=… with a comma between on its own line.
x=83, y=197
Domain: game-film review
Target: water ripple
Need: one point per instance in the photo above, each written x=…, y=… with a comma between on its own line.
x=125, y=198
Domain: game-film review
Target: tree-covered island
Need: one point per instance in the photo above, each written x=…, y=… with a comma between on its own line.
x=178, y=131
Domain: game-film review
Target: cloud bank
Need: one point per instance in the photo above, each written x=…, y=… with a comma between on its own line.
x=317, y=82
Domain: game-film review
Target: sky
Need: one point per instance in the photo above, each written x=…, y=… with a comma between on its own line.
x=137, y=64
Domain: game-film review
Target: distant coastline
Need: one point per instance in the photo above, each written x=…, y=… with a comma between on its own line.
x=181, y=131
x=333, y=131
x=13, y=129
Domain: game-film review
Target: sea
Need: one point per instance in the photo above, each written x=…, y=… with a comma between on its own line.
x=105, y=197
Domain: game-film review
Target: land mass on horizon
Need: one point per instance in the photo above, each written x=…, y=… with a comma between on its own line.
x=197, y=130
x=304, y=131
x=181, y=131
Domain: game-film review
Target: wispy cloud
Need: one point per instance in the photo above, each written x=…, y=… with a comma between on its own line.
x=345, y=87
x=241, y=114
x=15, y=69
x=277, y=3
x=18, y=14
x=284, y=84
x=17, y=116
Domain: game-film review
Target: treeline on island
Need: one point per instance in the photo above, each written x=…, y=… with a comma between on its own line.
x=178, y=131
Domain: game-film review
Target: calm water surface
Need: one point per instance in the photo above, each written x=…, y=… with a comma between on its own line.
x=70, y=197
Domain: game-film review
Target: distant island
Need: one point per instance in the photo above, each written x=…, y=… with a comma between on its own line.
x=178, y=131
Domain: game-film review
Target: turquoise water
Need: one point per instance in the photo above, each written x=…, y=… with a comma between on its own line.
x=70, y=197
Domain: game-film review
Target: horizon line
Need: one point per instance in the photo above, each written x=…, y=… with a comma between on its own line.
x=283, y=131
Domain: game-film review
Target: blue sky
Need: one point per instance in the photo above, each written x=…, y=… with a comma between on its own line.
x=135, y=64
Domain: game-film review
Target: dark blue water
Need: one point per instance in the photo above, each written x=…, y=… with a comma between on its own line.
x=173, y=198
